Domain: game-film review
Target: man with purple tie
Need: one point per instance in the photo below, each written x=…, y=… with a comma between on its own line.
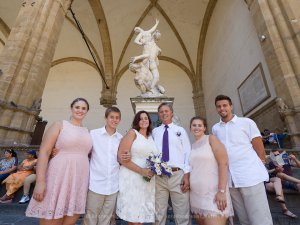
x=174, y=143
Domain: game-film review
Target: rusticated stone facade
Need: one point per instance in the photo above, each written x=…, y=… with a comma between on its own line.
x=279, y=22
x=25, y=62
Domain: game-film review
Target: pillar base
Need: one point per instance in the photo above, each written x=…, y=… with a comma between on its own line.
x=149, y=104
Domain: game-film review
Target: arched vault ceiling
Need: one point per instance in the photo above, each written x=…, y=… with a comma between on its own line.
x=109, y=28
x=180, y=25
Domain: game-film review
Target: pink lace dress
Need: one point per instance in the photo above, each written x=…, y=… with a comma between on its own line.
x=67, y=176
x=204, y=181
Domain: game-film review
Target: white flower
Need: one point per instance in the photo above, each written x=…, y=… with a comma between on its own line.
x=156, y=160
x=158, y=172
x=169, y=170
x=164, y=165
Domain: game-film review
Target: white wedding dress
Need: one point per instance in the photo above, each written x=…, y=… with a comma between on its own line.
x=136, y=198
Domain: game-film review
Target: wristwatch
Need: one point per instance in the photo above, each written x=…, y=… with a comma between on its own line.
x=222, y=191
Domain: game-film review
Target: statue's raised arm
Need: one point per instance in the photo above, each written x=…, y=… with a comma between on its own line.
x=154, y=27
x=144, y=35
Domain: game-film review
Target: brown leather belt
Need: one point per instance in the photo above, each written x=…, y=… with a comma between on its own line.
x=174, y=169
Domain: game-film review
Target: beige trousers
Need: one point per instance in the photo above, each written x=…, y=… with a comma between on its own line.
x=166, y=187
x=99, y=208
x=28, y=181
x=251, y=205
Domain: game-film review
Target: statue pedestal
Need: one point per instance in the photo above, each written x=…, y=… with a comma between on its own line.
x=150, y=105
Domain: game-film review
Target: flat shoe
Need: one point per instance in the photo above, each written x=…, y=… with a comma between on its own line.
x=6, y=201
x=289, y=214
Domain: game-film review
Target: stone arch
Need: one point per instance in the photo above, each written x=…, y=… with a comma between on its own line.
x=77, y=59
x=2, y=42
x=105, y=37
x=208, y=13
x=198, y=89
x=71, y=59
x=4, y=28
x=89, y=42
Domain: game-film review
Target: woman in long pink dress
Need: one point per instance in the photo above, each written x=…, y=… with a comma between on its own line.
x=61, y=186
x=209, y=195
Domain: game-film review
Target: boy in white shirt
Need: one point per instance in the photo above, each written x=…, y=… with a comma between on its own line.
x=104, y=170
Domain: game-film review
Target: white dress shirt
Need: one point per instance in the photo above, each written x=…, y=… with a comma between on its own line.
x=246, y=168
x=179, y=145
x=104, y=166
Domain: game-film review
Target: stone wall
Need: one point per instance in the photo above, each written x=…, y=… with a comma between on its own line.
x=268, y=117
x=232, y=50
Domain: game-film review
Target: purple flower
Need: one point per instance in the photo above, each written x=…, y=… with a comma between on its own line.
x=159, y=168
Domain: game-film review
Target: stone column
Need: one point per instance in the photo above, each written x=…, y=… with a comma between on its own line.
x=278, y=21
x=290, y=118
x=25, y=61
x=108, y=96
x=198, y=98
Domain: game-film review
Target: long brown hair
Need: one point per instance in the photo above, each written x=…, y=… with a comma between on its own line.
x=137, y=118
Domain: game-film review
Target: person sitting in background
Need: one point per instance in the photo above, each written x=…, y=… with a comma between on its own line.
x=16, y=180
x=26, y=187
x=275, y=139
x=265, y=137
x=8, y=164
x=285, y=172
x=274, y=185
x=295, y=162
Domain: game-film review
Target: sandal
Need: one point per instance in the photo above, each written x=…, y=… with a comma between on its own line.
x=289, y=214
x=6, y=198
x=280, y=199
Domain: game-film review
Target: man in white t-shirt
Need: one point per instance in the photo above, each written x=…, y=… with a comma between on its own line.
x=247, y=172
x=104, y=170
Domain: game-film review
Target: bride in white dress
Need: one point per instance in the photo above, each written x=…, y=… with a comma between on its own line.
x=136, y=198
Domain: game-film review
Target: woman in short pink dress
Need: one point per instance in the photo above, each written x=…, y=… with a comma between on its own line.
x=61, y=187
x=209, y=195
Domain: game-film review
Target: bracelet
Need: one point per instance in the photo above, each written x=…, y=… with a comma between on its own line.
x=221, y=191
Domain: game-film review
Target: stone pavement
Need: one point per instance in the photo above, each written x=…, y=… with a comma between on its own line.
x=13, y=214
x=278, y=219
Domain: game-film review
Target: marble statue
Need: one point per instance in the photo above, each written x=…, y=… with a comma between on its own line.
x=281, y=106
x=145, y=66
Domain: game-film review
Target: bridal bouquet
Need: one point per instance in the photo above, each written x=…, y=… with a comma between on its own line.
x=157, y=166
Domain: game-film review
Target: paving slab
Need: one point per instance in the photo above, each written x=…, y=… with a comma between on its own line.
x=14, y=214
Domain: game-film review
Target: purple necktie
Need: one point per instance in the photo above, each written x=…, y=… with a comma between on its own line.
x=165, y=145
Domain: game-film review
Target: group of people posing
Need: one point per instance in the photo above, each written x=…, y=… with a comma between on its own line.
x=98, y=172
